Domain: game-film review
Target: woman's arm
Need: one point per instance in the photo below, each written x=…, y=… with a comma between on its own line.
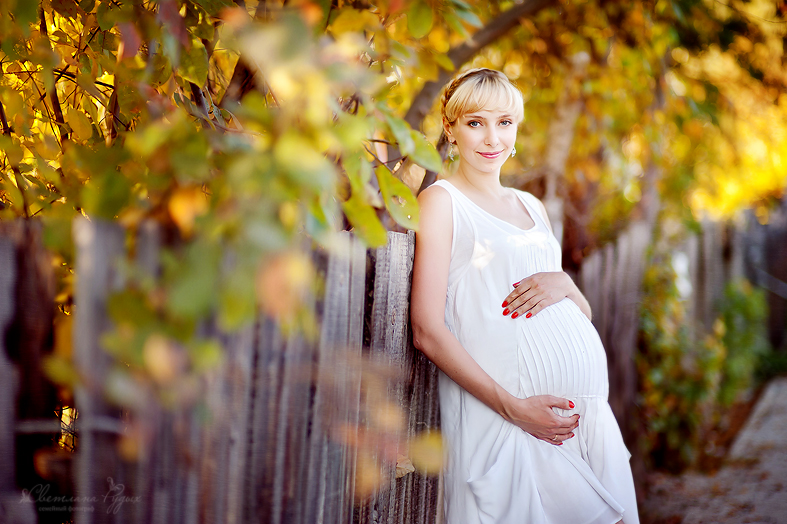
x=432, y=337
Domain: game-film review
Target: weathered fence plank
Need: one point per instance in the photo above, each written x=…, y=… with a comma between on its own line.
x=611, y=279
x=7, y=375
x=13, y=508
x=98, y=245
x=396, y=501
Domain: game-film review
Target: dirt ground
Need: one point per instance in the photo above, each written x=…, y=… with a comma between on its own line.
x=750, y=486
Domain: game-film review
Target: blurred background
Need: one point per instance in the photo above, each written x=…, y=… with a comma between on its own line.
x=204, y=257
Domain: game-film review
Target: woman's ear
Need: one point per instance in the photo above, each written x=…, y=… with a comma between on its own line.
x=447, y=128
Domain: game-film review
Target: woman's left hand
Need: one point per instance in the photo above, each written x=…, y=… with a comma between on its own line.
x=534, y=293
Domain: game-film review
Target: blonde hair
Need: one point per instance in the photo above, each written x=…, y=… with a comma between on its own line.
x=478, y=89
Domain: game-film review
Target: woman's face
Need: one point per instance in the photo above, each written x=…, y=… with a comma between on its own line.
x=484, y=139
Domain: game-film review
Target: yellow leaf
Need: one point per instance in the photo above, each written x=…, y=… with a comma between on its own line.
x=79, y=123
x=162, y=359
x=282, y=283
x=63, y=335
x=426, y=452
x=368, y=475
x=350, y=20
x=185, y=205
x=12, y=149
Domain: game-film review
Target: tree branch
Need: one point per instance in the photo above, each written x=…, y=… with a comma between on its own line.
x=500, y=25
x=53, y=92
x=496, y=28
x=17, y=174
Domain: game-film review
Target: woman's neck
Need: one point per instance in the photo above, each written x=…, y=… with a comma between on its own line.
x=482, y=183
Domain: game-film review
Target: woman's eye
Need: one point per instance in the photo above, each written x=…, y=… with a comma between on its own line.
x=474, y=123
x=506, y=123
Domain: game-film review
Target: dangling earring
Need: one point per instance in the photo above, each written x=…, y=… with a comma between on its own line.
x=451, y=152
x=513, y=152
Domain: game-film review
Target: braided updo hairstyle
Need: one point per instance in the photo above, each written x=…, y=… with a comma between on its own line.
x=477, y=89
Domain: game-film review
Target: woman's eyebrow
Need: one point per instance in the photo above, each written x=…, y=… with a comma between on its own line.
x=479, y=117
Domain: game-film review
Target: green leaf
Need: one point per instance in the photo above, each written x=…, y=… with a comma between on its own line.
x=214, y=6
x=419, y=19
x=194, y=64
x=205, y=354
x=460, y=4
x=365, y=222
x=399, y=200
x=238, y=300
x=60, y=370
x=106, y=194
x=106, y=16
x=193, y=290
x=25, y=13
x=424, y=154
x=401, y=132
x=145, y=141
x=469, y=17
x=303, y=162
x=444, y=62
x=455, y=24
x=358, y=172
x=190, y=158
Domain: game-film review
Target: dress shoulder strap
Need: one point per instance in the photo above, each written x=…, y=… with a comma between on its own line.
x=534, y=203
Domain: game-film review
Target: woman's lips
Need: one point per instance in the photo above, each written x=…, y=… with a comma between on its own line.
x=494, y=154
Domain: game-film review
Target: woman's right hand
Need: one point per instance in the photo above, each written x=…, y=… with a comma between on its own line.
x=535, y=416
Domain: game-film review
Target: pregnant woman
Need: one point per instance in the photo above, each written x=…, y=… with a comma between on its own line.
x=530, y=437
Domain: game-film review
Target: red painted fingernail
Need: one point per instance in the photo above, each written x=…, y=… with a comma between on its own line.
x=560, y=444
x=506, y=312
x=570, y=404
x=529, y=315
x=505, y=303
x=571, y=436
x=515, y=315
x=515, y=284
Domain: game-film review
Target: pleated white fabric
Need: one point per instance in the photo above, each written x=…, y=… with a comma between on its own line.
x=495, y=472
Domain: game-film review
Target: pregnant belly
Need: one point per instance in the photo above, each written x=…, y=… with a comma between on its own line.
x=560, y=353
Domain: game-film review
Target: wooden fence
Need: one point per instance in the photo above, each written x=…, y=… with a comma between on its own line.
x=611, y=279
x=285, y=436
x=279, y=439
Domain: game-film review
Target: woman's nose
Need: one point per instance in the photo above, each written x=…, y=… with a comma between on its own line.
x=491, y=137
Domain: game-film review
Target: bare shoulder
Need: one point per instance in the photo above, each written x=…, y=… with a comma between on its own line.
x=436, y=207
x=435, y=197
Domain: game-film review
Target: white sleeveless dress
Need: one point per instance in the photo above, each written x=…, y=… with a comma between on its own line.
x=496, y=472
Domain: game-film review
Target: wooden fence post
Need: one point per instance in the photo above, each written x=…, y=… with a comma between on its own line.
x=98, y=245
x=8, y=379
x=14, y=508
x=398, y=502
x=611, y=279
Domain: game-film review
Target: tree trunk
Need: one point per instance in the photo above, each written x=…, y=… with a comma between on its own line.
x=560, y=135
